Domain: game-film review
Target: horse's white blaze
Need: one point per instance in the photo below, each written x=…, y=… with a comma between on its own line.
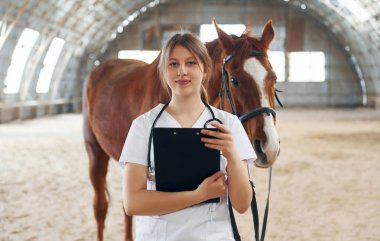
x=253, y=67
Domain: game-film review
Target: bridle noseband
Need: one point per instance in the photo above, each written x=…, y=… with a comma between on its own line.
x=225, y=90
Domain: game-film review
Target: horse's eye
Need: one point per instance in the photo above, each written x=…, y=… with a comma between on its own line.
x=234, y=81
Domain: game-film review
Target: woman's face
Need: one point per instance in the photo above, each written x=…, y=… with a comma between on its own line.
x=184, y=73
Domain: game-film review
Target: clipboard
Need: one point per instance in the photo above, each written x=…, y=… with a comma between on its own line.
x=181, y=160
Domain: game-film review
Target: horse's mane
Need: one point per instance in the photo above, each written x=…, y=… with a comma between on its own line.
x=213, y=50
x=244, y=43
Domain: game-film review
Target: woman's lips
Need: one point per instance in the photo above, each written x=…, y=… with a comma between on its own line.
x=182, y=82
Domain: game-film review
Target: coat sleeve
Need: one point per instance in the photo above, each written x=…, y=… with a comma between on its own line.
x=135, y=149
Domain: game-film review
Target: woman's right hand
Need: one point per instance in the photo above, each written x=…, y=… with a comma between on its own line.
x=212, y=187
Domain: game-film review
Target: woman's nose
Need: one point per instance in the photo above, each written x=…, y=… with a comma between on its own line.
x=182, y=71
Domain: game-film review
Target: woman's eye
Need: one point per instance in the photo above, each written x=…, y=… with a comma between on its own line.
x=192, y=63
x=173, y=64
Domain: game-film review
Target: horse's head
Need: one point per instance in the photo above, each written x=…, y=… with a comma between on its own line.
x=249, y=78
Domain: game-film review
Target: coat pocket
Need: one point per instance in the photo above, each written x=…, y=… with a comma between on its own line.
x=219, y=227
x=150, y=229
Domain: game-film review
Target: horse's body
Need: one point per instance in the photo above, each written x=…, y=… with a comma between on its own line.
x=117, y=91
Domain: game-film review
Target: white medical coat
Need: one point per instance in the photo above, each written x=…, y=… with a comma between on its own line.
x=202, y=222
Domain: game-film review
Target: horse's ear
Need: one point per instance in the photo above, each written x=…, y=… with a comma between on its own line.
x=268, y=34
x=224, y=39
x=248, y=29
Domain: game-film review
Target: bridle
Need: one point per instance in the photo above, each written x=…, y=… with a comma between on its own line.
x=225, y=90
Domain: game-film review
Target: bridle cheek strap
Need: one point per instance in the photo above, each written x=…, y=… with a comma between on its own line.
x=225, y=87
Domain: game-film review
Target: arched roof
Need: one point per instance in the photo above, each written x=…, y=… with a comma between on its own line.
x=87, y=26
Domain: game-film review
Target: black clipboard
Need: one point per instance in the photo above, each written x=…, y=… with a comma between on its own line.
x=181, y=160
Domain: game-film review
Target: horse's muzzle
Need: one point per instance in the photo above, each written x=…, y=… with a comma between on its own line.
x=264, y=160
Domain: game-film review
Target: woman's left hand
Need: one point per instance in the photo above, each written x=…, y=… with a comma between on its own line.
x=223, y=140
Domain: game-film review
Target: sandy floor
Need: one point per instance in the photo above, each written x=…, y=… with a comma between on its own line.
x=325, y=186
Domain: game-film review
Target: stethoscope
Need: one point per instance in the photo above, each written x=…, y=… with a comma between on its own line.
x=151, y=172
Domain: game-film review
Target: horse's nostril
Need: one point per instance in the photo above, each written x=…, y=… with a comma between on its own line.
x=258, y=147
x=262, y=157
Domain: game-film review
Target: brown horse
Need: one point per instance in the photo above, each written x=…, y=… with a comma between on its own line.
x=117, y=91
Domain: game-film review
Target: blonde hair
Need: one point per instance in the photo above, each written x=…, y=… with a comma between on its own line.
x=195, y=46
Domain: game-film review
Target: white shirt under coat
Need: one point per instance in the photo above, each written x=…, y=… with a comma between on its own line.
x=202, y=222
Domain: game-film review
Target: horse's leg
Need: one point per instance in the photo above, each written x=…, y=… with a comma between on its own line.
x=98, y=171
x=128, y=227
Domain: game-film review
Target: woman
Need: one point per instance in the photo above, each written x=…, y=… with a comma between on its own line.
x=184, y=67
